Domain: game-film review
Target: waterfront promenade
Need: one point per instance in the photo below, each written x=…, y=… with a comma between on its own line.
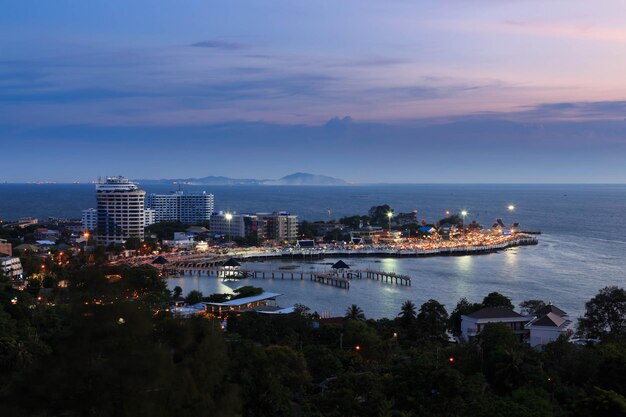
x=214, y=258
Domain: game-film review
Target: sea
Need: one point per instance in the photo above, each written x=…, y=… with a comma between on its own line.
x=581, y=249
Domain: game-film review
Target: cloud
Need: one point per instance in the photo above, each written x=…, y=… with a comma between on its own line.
x=565, y=30
x=218, y=44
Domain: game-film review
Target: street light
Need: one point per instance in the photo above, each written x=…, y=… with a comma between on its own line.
x=511, y=207
x=389, y=215
x=228, y=217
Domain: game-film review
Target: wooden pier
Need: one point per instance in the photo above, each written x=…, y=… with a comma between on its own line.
x=340, y=279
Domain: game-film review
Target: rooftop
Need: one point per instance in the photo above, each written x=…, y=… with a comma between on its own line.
x=550, y=309
x=494, y=313
x=549, y=320
x=246, y=300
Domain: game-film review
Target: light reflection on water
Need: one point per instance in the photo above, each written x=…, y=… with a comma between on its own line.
x=554, y=269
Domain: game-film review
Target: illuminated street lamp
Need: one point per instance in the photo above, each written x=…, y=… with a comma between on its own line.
x=464, y=215
x=228, y=217
x=511, y=207
x=389, y=216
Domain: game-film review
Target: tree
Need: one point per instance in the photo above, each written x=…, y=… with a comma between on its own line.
x=247, y=291
x=463, y=308
x=495, y=299
x=379, y=214
x=605, y=314
x=178, y=291
x=307, y=229
x=432, y=320
x=354, y=312
x=194, y=297
x=132, y=243
x=530, y=307
x=407, y=313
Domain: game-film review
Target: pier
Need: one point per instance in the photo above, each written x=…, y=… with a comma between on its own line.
x=333, y=278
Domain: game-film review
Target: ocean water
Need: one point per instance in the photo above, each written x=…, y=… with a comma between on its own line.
x=581, y=250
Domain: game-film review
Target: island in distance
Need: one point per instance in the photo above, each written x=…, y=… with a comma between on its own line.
x=299, y=178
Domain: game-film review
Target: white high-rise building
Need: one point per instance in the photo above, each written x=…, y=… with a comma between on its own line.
x=181, y=206
x=120, y=211
x=148, y=217
x=89, y=219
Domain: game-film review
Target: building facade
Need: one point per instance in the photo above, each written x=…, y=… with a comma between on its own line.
x=180, y=206
x=148, y=217
x=5, y=248
x=239, y=225
x=279, y=226
x=89, y=219
x=120, y=211
x=11, y=267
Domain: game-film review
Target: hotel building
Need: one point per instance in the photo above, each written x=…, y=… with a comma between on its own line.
x=120, y=211
x=180, y=206
x=277, y=226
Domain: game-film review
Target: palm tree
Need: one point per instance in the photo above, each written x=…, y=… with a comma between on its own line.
x=354, y=312
x=407, y=313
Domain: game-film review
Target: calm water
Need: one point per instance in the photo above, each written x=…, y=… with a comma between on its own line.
x=582, y=248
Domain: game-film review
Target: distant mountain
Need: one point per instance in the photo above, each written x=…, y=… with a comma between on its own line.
x=299, y=178
x=303, y=178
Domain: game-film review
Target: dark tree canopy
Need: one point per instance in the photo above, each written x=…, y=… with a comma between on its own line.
x=530, y=307
x=605, y=314
x=432, y=320
x=354, y=312
x=379, y=214
x=194, y=297
x=495, y=299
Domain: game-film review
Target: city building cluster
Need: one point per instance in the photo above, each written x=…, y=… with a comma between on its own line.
x=123, y=211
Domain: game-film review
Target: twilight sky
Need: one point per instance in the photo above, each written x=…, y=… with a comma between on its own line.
x=369, y=91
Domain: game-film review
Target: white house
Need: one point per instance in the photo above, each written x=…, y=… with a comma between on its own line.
x=474, y=323
x=545, y=326
x=548, y=325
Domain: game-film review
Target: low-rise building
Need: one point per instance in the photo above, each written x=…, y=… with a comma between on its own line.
x=46, y=234
x=473, y=324
x=550, y=323
x=539, y=329
x=5, y=248
x=11, y=266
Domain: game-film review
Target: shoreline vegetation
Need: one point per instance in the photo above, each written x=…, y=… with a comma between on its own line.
x=106, y=342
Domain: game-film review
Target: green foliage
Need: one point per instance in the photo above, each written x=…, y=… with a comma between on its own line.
x=308, y=230
x=354, y=312
x=247, y=291
x=495, y=299
x=463, y=308
x=379, y=215
x=118, y=357
x=177, y=292
x=605, y=314
x=165, y=230
x=407, y=314
x=530, y=307
x=194, y=297
x=353, y=222
x=432, y=321
x=132, y=243
x=454, y=219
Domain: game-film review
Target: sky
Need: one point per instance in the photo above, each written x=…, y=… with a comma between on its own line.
x=404, y=91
